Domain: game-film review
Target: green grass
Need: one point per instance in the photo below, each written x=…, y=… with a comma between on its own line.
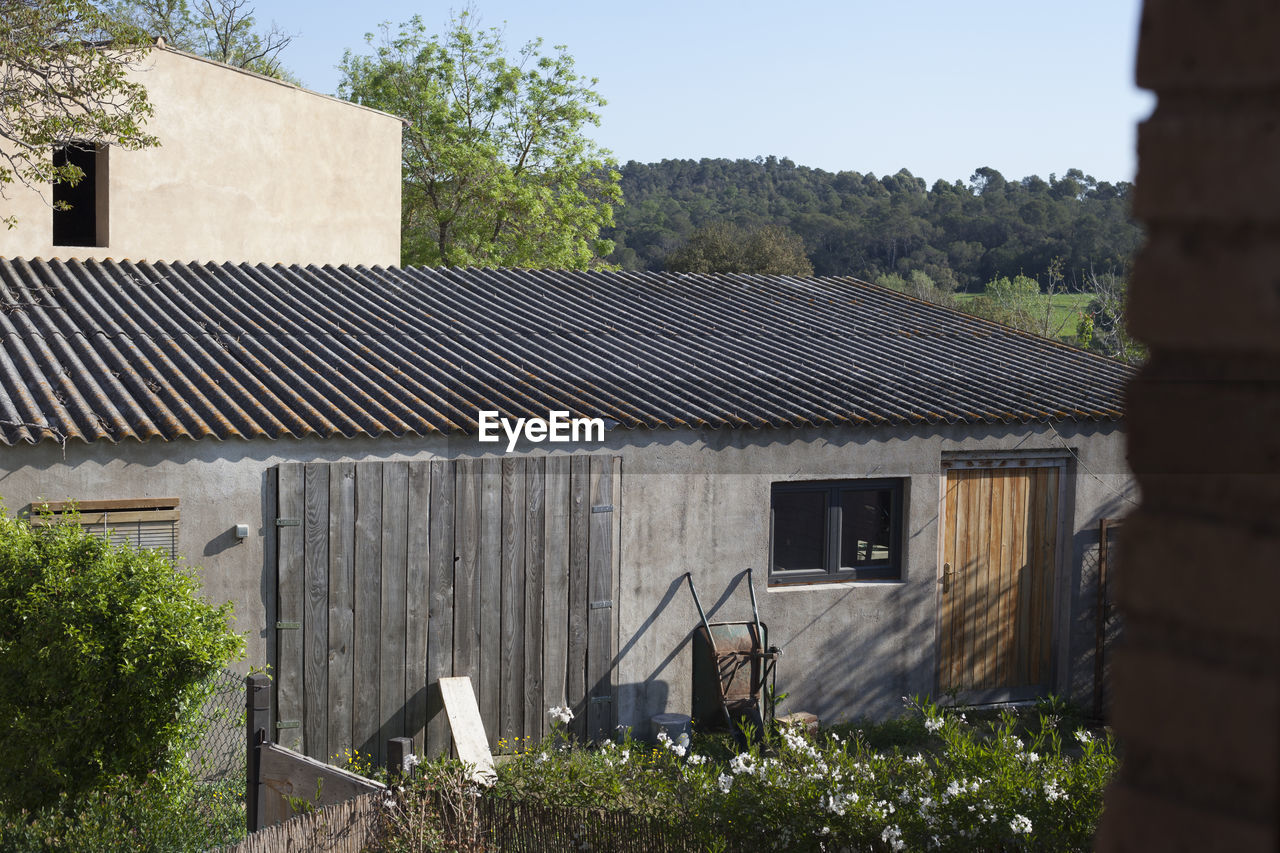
x=1067, y=308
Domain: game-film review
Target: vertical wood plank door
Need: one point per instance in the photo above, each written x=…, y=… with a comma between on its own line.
x=392, y=575
x=999, y=561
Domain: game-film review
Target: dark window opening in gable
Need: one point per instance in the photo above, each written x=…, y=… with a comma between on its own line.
x=144, y=523
x=836, y=531
x=80, y=211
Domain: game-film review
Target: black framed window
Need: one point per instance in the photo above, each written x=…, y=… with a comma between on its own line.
x=835, y=530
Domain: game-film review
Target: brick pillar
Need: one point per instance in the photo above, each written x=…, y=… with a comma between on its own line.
x=1197, y=683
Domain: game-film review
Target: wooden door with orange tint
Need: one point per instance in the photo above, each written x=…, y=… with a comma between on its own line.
x=999, y=556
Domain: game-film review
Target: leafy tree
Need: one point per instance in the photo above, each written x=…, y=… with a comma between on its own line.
x=102, y=649
x=917, y=283
x=722, y=247
x=1106, y=318
x=223, y=30
x=1014, y=302
x=497, y=168
x=59, y=87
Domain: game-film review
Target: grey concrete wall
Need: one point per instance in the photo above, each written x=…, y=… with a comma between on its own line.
x=701, y=503
x=691, y=500
x=248, y=169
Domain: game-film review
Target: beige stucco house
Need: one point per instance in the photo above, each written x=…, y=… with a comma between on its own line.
x=248, y=169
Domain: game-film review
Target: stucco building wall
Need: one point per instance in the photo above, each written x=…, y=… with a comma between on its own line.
x=248, y=169
x=695, y=500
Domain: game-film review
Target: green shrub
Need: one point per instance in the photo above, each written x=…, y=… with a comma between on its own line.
x=167, y=813
x=103, y=654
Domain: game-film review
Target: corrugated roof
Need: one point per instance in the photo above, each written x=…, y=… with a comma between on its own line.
x=108, y=351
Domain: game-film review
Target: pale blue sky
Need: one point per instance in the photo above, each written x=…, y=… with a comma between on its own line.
x=936, y=86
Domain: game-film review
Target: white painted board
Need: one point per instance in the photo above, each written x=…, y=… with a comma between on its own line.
x=468, y=729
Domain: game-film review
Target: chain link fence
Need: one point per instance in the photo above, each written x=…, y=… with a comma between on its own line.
x=219, y=752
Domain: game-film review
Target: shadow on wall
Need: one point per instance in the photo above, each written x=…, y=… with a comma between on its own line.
x=1085, y=685
x=867, y=670
x=650, y=696
x=222, y=542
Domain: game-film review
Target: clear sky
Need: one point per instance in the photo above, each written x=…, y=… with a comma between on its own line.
x=939, y=87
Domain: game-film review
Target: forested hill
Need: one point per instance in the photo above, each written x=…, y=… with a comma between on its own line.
x=961, y=233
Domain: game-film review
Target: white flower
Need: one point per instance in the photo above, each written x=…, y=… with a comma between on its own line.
x=743, y=763
x=1032, y=757
x=678, y=748
x=1053, y=793
x=541, y=758
x=560, y=715
x=915, y=759
x=412, y=760
x=1084, y=737
x=797, y=743
x=1020, y=825
x=932, y=724
x=836, y=803
x=694, y=758
x=724, y=783
x=893, y=837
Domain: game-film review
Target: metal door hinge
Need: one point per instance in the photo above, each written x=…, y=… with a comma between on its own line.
x=602, y=508
x=601, y=605
x=288, y=522
x=289, y=724
x=288, y=626
x=598, y=700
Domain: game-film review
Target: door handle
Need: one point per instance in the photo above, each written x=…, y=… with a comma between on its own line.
x=946, y=577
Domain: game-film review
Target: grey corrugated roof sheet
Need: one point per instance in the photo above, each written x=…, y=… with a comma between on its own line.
x=109, y=351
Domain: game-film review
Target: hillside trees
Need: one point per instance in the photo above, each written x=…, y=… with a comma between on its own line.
x=498, y=170
x=58, y=88
x=961, y=234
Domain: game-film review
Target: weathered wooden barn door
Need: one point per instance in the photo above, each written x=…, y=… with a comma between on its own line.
x=390, y=575
x=999, y=553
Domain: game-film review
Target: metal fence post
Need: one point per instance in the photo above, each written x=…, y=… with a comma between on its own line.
x=257, y=705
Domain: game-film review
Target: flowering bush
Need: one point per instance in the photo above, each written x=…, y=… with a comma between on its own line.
x=1007, y=786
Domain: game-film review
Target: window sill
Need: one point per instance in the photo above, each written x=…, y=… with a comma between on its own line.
x=820, y=585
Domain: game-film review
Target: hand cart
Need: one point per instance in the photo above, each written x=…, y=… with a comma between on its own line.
x=732, y=665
